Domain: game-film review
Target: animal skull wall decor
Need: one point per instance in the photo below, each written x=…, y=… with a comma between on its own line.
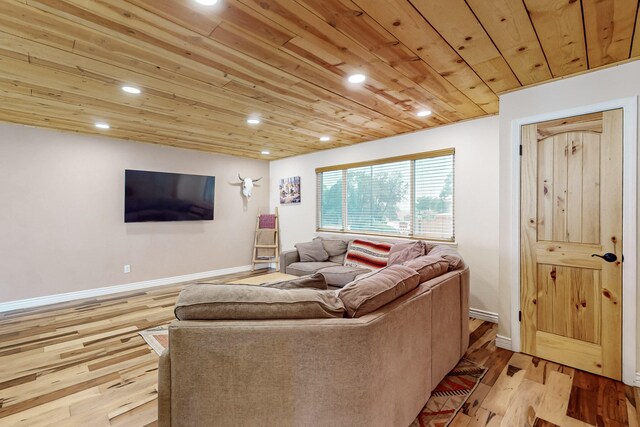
x=247, y=185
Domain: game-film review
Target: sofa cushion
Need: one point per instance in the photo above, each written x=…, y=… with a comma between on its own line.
x=304, y=268
x=312, y=251
x=365, y=295
x=246, y=302
x=340, y=275
x=402, y=252
x=428, y=266
x=334, y=247
x=338, y=259
x=316, y=281
x=447, y=252
x=367, y=254
x=367, y=274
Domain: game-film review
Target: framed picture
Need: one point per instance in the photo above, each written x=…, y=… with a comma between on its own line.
x=289, y=190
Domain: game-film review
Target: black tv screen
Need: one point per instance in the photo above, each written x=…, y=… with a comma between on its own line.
x=160, y=196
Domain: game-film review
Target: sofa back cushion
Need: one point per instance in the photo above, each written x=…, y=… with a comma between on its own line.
x=367, y=254
x=334, y=247
x=311, y=251
x=402, y=252
x=371, y=292
x=246, y=302
x=447, y=252
x=428, y=266
x=313, y=281
x=338, y=259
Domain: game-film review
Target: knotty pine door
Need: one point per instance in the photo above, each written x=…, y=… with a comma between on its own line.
x=571, y=216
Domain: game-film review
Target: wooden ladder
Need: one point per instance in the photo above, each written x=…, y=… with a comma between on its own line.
x=275, y=246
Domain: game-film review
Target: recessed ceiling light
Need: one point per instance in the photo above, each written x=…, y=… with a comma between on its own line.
x=102, y=126
x=423, y=113
x=207, y=2
x=325, y=138
x=265, y=152
x=131, y=89
x=253, y=121
x=357, y=78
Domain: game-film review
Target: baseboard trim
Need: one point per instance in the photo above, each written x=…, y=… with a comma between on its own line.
x=483, y=315
x=92, y=293
x=503, y=342
x=637, y=379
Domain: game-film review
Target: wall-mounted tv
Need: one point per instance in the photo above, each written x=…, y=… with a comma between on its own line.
x=160, y=196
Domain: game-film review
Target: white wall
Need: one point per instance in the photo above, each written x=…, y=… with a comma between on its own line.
x=476, y=198
x=62, y=216
x=609, y=84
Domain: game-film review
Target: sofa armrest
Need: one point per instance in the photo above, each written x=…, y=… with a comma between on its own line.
x=164, y=390
x=450, y=320
x=287, y=258
x=464, y=309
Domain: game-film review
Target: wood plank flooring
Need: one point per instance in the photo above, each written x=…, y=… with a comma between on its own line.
x=84, y=364
x=520, y=390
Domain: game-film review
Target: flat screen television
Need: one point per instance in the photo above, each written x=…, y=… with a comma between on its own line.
x=160, y=196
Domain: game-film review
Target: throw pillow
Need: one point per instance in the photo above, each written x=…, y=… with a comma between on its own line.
x=406, y=251
x=428, y=266
x=246, y=302
x=334, y=247
x=365, y=295
x=450, y=254
x=312, y=251
x=316, y=281
x=367, y=254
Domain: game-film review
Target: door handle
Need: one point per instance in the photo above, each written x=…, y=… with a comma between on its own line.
x=609, y=257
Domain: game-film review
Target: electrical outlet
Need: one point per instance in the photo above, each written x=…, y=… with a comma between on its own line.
x=127, y=268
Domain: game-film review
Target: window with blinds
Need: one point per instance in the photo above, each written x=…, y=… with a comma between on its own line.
x=408, y=196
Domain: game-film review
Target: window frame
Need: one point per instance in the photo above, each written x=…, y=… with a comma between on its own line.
x=412, y=195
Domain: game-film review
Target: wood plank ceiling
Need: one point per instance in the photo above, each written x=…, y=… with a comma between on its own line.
x=204, y=70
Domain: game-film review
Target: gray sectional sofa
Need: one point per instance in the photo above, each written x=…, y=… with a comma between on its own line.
x=365, y=355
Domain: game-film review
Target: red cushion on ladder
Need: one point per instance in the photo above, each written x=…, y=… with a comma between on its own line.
x=267, y=221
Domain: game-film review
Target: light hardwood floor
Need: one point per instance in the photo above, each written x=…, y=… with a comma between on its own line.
x=84, y=364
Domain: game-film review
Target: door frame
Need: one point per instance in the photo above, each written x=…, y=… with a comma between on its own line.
x=629, y=222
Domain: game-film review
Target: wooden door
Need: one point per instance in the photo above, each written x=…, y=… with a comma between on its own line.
x=571, y=210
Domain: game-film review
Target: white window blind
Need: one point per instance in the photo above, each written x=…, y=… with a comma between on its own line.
x=330, y=200
x=408, y=196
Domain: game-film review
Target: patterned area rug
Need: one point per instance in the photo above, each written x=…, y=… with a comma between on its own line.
x=449, y=396
x=157, y=338
x=443, y=405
